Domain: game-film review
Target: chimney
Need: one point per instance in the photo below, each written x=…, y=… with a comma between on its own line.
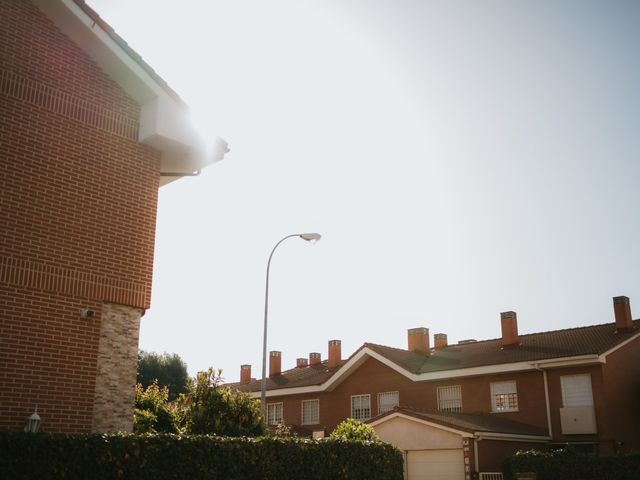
x=622, y=310
x=335, y=353
x=440, y=340
x=509, y=323
x=418, y=339
x=314, y=359
x=275, y=363
x=245, y=374
x=301, y=362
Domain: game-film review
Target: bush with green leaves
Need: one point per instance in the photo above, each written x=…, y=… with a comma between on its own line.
x=43, y=456
x=567, y=464
x=351, y=429
x=152, y=411
x=211, y=408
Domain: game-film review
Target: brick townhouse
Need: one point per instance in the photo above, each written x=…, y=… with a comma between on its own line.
x=88, y=132
x=458, y=410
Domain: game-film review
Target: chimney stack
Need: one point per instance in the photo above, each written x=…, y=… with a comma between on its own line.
x=622, y=310
x=314, y=359
x=245, y=374
x=509, y=323
x=418, y=340
x=301, y=362
x=335, y=353
x=440, y=340
x=275, y=363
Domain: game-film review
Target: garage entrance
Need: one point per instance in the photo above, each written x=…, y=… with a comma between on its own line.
x=435, y=464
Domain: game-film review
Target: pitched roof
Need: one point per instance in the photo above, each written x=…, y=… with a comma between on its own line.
x=535, y=347
x=468, y=422
x=130, y=51
x=295, y=377
x=596, y=339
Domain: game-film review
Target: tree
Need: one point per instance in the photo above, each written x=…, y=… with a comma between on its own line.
x=211, y=408
x=351, y=429
x=153, y=413
x=168, y=370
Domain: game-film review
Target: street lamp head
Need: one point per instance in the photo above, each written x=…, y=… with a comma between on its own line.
x=311, y=237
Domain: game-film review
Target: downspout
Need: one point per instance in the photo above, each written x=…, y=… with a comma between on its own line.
x=546, y=397
x=476, y=455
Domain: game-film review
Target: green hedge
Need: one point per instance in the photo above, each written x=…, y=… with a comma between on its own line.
x=45, y=456
x=569, y=465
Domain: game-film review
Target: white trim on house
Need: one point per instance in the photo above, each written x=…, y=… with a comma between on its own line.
x=512, y=437
x=620, y=345
x=360, y=357
x=164, y=120
x=462, y=433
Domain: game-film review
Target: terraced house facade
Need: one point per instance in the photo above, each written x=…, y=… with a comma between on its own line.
x=88, y=133
x=459, y=410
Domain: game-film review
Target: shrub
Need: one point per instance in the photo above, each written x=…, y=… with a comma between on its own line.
x=210, y=408
x=351, y=429
x=567, y=464
x=172, y=457
x=153, y=413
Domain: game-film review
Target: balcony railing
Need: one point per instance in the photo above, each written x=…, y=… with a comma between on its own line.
x=490, y=476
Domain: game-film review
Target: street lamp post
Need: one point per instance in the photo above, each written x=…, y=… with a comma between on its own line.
x=309, y=237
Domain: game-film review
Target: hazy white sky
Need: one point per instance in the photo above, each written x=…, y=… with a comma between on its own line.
x=460, y=158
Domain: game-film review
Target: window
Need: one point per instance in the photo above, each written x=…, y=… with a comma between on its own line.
x=310, y=412
x=361, y=407
x=504, y=397
x=387, y=400
x=274, y=413
x=576, y=390
x=450, y=398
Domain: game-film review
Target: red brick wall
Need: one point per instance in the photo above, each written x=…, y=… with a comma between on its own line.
x=621, y=377
x=77, y=222
x=555, y=402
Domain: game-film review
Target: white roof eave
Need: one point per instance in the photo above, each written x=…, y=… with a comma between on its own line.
x=164, y=120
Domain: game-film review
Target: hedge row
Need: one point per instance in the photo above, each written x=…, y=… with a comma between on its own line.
x=569, y=465
x=45, y=456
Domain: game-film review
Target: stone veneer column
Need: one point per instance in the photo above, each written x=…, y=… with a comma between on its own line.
x=116, y=371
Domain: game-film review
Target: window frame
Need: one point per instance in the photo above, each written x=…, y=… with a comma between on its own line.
x=317, y=413
x=449, y=388
x=275, y=406
x=397, y=401
x=507, y=399
x=361, y=396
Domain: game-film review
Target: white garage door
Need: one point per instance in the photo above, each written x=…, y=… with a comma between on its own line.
x=435, y=465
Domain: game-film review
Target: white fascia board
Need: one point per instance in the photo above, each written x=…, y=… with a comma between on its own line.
x=164, y=121
x=568, y=361
x=359, y=358
x=603, y=357
x=512, y=437
x=462, y=433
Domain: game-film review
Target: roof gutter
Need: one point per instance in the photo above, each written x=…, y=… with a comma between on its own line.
x=177, y=174
x=512, y=437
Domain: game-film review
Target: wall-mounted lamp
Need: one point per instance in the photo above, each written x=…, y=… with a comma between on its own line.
x=33, y=422
x=87, y=312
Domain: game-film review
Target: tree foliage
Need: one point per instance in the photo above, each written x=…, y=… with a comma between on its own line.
x=211, y=408
x=152, y=412
x=351, y=429
x=167, y=370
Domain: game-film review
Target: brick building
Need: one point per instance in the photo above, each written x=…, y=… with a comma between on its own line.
x=462, y=408
x=88, y=133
